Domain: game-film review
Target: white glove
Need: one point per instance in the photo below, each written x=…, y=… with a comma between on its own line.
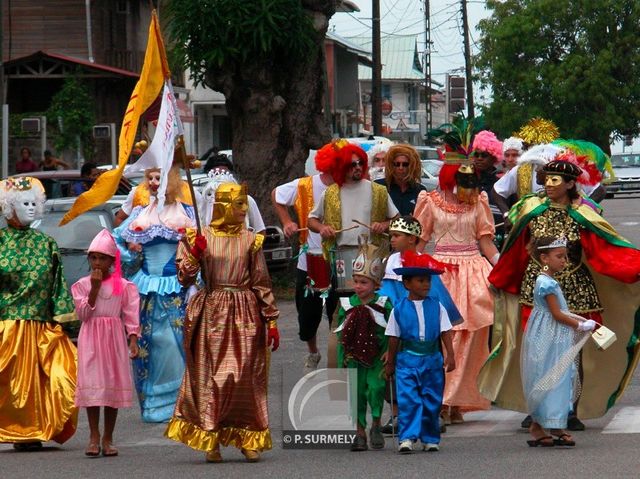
x=588, y=325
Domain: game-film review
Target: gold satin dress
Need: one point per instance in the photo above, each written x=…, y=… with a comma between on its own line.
x=223, y=397
x=37, y=359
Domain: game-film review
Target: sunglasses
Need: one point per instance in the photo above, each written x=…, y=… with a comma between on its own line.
x=481, y=154
x=357, y=163
x=401, y=165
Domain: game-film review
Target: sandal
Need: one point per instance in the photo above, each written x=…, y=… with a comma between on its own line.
x=564, y=439
x=92, y=450
x=544, y=441
x=108, y=450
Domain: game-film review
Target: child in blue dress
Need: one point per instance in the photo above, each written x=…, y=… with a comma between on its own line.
x=550, y=344
x=416, y=327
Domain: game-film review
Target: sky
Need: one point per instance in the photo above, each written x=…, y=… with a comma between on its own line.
x=403, y=17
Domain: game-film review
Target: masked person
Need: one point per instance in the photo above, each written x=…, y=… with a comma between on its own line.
x=457, y=217
x=148, y=242
x=228, y=326
x=37, y=359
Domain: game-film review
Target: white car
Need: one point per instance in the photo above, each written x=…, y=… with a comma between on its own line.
x=626, y=167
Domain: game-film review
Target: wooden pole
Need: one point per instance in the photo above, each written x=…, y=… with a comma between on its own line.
x=467, y=60
x=376, y=72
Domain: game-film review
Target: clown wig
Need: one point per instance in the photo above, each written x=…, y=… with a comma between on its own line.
x=487, y=141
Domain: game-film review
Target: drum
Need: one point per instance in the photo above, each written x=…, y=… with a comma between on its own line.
x=318, y=271
x=345, y=257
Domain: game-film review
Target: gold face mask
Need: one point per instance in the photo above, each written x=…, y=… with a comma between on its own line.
x=553, y=180
x=230, y=198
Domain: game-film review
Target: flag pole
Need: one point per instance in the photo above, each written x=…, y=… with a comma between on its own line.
x=182, y=156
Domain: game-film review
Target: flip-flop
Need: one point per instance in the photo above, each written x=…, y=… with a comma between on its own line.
x=108, y=450
x=544, y=441
x=564, y=440
x=92, y=450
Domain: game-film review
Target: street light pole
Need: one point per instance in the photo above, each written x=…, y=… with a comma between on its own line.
x=376, y=73
x=427, y=72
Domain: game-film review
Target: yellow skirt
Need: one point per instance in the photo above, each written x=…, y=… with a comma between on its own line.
x=37, y=382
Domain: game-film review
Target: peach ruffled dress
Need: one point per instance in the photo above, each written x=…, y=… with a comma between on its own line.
x=456, y=228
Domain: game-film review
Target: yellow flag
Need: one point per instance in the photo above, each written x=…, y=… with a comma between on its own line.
x=154, y=71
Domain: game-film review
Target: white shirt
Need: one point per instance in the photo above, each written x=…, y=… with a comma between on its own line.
x=393, y=329
x=287, y=195
x=355, y=200
x=508, y=184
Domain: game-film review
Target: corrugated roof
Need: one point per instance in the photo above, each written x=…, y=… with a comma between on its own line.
x=399, y=57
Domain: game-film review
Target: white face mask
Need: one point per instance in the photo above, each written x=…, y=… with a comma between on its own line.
x=25, y=207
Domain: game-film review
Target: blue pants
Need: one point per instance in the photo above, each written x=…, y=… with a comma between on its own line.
x=419, y=393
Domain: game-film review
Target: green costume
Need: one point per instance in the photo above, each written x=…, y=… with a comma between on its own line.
x=371, y=382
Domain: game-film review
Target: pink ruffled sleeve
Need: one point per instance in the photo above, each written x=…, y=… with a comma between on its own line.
x=423, y=212
x=484, y=219
x=131, y=309
x=80, y=292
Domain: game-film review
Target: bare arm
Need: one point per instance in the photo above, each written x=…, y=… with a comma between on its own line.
x=282, y=211
x=392, y=350
x=598, y=194
x=449, y=358
x=64, y=164
x=499, y=201
x=316, y=226
x=554, y=308
x=120, y=217
x=487, y=248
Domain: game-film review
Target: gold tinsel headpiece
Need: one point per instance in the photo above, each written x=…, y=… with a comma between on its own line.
x=538, y=131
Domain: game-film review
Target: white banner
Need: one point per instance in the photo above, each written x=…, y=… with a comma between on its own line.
x=160, y=152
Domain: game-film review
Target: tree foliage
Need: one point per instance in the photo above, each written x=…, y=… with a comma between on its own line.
x=72, y=114
x=216, y=36
x=576, y=62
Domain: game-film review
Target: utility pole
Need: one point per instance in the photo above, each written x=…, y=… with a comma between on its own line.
x=427, y=72
x=376, y=73
x=467, y=60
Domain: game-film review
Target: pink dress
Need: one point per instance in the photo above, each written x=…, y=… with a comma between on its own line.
x=456, y=229
x=104, y=367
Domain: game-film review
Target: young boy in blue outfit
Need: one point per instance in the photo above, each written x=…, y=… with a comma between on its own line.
x=417, y=327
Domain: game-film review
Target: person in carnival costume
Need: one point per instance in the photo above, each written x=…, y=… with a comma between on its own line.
x=376, y=155
x=150, y=236
x=457, y=217
x=405, y=233
x=218, y=176
x=403, y=172
x=37, y=359
x=302, y=194
x=109, y=308
x=512, y=148
x=417, y=326
x=229, y=325
x=606, y=291
x=362, y=344
x=550, y=344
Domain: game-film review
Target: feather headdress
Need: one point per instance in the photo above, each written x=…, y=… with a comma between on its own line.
x=593, y=154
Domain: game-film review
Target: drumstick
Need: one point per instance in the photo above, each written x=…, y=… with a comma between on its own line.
x=303, y=229
x=366, y=226
x=346, y=229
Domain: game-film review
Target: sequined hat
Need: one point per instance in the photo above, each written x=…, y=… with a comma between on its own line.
x=371, y=259
x=406, y=224
x=563, y=168
x=22, y=183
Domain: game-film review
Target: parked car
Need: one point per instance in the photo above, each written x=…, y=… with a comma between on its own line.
x=58, y=184
x=626, y=167
x=427, y=152
x=430, y=171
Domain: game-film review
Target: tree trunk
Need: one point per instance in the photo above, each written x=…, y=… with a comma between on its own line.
x=276, y=114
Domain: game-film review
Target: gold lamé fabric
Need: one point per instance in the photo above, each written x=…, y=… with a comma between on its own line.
x=223, y=396
x=37, y=382
x=575, y=279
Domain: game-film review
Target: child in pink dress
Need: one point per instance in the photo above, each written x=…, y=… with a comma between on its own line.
x=108, y=307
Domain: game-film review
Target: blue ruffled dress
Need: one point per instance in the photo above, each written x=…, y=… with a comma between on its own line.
x=159, y=368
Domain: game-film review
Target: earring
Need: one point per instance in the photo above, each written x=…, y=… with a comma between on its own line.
x=545, y=268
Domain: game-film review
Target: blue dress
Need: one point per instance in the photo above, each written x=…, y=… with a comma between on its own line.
x=549, y=350
x=159, y=368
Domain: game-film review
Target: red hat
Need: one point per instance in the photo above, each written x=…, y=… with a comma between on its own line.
x=414, y=264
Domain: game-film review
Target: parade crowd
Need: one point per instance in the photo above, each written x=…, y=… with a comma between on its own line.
x=528, y=300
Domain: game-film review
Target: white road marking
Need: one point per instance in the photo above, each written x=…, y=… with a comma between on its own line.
x=626, y=421
x=629, y=223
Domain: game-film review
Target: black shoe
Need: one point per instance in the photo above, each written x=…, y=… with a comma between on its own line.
x=526, y=422
x=574, y=424
x=27, y=446
x=389, y=426
x=376, y=438
x=443, y=426
x=359, y=444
